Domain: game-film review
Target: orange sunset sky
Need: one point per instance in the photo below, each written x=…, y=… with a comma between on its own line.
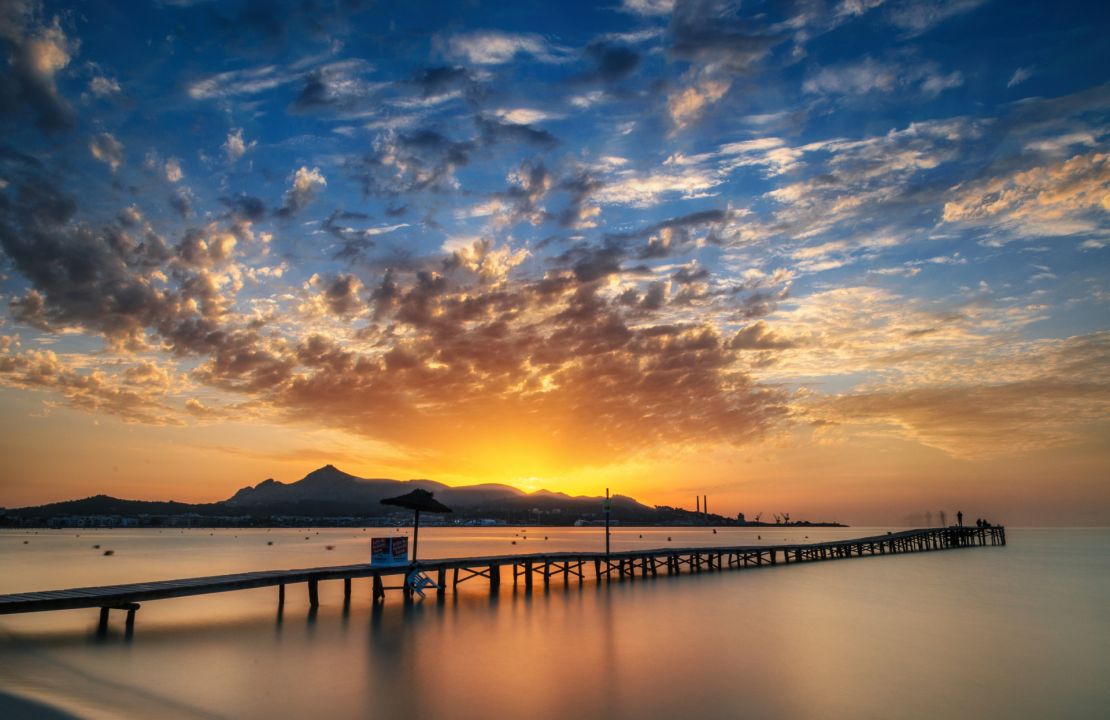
x=843, y=260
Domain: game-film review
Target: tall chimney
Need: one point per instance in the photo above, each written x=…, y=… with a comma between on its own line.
x=705, y=505
x=697, y=501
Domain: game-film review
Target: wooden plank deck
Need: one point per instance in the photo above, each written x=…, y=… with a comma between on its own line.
x=624, y=564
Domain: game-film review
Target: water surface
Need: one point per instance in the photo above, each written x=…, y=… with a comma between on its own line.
x=1020, y=631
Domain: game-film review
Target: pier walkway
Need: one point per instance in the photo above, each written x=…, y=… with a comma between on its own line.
x=526, y=568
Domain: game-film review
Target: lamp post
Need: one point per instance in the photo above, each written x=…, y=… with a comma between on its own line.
x=607, y=505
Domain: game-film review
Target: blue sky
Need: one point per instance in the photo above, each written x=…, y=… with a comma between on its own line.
x=656, y=226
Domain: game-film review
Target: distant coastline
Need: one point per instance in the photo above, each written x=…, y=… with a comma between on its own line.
x=329, y=497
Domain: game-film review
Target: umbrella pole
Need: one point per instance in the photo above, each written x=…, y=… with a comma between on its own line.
x=415, y=534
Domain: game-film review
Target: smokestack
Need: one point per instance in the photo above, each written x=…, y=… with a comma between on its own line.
x=705, y=504
x=697, y=501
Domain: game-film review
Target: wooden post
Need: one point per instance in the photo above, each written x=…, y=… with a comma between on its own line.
x=528, y=575
x=313, y=594
x=129, y=624
x=281, y=596
x=494, y=577
x=379, y=589
x=597, y=569
x=546, y=573
x=441, y=582
x=347, y=590
x=102, y=626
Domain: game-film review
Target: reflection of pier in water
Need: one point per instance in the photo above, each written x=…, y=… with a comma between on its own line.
x=525, y=568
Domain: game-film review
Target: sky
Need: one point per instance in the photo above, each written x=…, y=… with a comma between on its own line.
x=845, y=259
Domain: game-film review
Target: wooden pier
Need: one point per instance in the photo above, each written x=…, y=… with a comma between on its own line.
x=450, y=572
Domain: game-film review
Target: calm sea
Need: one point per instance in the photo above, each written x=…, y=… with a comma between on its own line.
x=1021, y=631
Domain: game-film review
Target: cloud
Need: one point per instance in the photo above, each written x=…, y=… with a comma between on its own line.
x=173, y=170
x=103, y=86
x=36, y=52
x=1020, y=75
x=758, y=336
x=1064, y=390
x=306, y=183
x=551, y=353
x=335, y=85
x=105, y=148
x=1064, y=198
x=612, y=62
x=340, y=294
x=855, y=79
x=494, y=47
x=136, y=395
x=915, y=17
x=437, y=83
x=685, y=105
x=250, y=81
x=525, y=116
x=235, y=147
x=872, y=76
x=102, y=280
x=406, y=162
x=496, y=131
x=936, y=84
x=648, y=7
x=719, y=47
x=680, y=233
x=642, y=190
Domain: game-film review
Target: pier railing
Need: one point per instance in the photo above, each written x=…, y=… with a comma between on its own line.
x=526, y=568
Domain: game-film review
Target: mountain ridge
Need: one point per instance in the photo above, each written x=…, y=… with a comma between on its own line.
x=329, y=491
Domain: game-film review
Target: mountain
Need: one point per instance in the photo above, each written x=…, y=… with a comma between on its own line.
x=330, y=485
x=330, y=492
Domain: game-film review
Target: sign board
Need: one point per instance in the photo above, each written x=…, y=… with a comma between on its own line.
x=389, y=551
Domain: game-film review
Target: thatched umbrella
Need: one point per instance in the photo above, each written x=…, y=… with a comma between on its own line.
x=417, y=501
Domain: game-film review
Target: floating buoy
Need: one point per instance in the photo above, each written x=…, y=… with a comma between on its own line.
x=96, y=547
x=269, y=542
x=668, y=538
x=329, y=547
x=514, y=542
x=26, y=542
x=109, y=552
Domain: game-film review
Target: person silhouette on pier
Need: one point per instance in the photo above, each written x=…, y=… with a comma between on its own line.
x=960, y=518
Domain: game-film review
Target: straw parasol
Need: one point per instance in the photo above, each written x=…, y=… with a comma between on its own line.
x=417, y=501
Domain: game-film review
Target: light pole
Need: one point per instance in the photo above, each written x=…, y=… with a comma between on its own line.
x=606, y=505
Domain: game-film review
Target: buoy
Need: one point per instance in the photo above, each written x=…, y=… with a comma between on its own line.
x=109, y=552
x=269, y=542
x=329, y=547
x=96, y=547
